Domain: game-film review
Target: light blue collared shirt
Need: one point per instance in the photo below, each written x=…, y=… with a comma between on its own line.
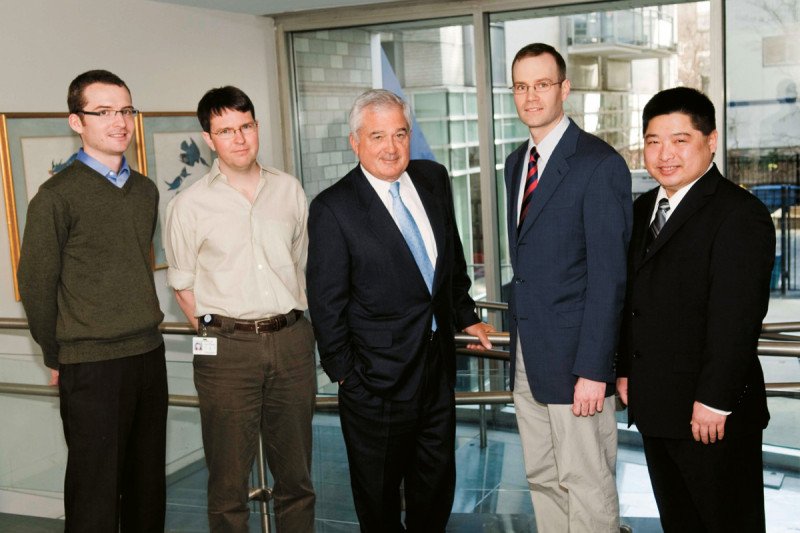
x=117, y=178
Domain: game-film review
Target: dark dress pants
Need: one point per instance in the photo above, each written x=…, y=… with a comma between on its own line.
x=708, y=487
x=410, y=441
x=115, y=417
x=264, y=382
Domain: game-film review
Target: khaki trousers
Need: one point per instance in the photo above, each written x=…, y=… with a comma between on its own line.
x=570, y=462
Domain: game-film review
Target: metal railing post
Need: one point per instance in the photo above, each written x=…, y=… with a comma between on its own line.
x=262, y=493
x=482, y=407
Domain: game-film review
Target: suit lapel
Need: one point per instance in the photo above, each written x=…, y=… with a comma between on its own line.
x=513, y=183
x=695, y=199
x=557, y=167
x=381, y=223
x=641, y=224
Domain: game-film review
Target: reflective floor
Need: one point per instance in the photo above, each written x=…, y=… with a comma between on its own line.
x=491, y=491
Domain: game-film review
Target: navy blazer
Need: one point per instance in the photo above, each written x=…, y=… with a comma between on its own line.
x=569, y=261
x=369, y=303
x=695, y=301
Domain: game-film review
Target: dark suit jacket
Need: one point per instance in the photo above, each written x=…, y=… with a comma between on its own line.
x=369, y=304
x=695, y=301
x=569, y=264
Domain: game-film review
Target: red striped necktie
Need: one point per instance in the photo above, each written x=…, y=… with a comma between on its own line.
x=531, y=182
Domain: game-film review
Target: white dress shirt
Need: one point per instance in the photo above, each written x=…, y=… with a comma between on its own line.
x=410, y=198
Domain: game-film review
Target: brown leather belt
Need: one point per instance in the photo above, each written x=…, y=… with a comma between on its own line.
x=263, y=325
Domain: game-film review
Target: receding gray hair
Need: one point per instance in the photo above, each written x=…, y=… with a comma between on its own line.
x=376, y=98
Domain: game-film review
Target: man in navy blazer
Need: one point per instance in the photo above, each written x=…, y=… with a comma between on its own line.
x=385, y=306
x=698, y=288
x=569, y=223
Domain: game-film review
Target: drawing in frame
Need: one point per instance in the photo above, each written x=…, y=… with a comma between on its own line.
x=174, y=155
x=34, y=147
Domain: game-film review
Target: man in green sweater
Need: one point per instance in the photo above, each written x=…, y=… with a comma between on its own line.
x=87, y=286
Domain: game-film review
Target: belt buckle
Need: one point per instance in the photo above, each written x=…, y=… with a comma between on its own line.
x=267, y=324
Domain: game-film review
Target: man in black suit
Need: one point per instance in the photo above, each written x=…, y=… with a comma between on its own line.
x=387, y=285
x=698, y=288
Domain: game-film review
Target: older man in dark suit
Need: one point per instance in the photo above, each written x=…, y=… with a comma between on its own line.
x=698, y=288
x=387, y=286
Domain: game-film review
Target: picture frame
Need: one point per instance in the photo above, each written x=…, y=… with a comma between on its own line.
x=33, y=147
x=174, y=155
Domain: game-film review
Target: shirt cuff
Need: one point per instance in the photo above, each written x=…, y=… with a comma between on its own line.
x=180, y=279
x=713, y=410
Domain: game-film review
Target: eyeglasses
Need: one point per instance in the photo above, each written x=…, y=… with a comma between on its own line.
x=539, y=86
x=108, y=114
x=229, y=133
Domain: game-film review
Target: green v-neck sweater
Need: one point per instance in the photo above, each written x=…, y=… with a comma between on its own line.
x=85, y=273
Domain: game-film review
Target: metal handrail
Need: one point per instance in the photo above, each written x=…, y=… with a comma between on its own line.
x=322, y=402
x=491, y=306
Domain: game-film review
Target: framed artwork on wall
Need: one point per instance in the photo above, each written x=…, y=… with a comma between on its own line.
x=174, y=155
x=34, y=147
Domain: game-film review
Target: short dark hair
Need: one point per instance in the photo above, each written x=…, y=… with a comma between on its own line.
x=684, y=100
x=537, y=49
x=215, y=101
x=75, y=98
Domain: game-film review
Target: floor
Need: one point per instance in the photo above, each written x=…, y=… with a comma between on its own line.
x=491, y=492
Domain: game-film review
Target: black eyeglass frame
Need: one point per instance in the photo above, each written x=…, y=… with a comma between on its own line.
x=111, y=113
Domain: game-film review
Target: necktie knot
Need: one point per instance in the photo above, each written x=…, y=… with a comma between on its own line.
x=394, y=189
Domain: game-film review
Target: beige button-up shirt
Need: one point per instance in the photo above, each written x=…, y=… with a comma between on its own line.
x=241, y=260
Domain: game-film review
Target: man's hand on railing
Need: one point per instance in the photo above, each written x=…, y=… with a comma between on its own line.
x=480, y=330
x=53, y=377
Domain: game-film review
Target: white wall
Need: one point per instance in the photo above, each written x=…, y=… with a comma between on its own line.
x=169, y=55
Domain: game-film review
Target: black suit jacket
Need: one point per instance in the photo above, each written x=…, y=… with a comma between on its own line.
x=369, y=303
x=695, y=301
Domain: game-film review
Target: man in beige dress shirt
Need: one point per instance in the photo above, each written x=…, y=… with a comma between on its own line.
x=236, y=244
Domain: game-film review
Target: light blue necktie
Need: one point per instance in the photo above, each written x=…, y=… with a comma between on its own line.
x=413, y=237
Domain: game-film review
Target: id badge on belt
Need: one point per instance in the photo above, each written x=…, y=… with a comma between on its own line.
x=204, y=345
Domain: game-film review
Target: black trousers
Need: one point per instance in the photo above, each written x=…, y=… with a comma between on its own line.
x=115, y=416
x=410, y=441
x=708, y=487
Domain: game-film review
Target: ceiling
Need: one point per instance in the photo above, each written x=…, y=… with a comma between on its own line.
x=271, y=7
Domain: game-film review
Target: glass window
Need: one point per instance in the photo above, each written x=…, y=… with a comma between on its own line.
x=429, y=63
x=435, y=131
x=616, y=60
x=456, y=101
x=472, y=131
x=457, y=132
x=763, y=155
x=430, y=105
